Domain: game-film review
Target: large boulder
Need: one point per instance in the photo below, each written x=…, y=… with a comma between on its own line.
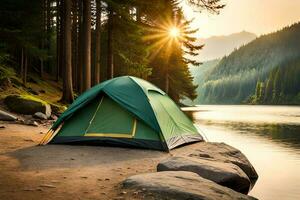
x=27, y=105
x=222, y=152
x=226, y=174
x=179, y=185
x=4, y=116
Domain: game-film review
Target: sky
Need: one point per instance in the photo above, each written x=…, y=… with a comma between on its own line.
x=256, y=16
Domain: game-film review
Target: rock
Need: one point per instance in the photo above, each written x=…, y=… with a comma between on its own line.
x=48, y=110
x=224, y=153
x=225, y=174
x=31, y=123
x=179, y=185
x=4, y=116
x=40, y=115
x=27, y=105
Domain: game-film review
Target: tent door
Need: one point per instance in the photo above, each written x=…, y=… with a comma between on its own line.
x=111, y=120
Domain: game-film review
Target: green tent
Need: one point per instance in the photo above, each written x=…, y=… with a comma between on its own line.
x=125, y=111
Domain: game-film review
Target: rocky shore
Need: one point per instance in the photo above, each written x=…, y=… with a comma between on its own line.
x=210, y=171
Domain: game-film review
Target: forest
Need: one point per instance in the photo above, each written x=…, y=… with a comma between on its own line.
x=282, y=86
x=80, y=43
x=265, y=71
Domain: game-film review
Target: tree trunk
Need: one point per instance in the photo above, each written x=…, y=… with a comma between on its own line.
x=97, y=43
x=48, y=36
x=22, y=63
x=42, y=44
x=79, y=50
x=67, y=83
x=110, y=58
x=74, y=42
x=59, y=39
x=86, y=44
x=62, y=41
x=41, y=67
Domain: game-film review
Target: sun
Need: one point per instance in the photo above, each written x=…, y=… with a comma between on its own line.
x=174, y=32
x=164, y=37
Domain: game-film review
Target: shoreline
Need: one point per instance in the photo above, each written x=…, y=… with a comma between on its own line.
x=70, y=172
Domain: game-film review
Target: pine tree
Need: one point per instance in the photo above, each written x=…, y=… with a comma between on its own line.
x=86, y=45
x=170, y=64
x=97, y=43
x=67, y=49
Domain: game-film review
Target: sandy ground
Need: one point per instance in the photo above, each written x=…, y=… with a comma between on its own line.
x=28, y=171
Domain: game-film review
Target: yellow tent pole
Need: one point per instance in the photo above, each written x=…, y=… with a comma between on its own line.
x=45, y=137
x=48, y=136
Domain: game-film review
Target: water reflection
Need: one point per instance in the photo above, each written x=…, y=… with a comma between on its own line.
x=268, y=135
x=280, y=133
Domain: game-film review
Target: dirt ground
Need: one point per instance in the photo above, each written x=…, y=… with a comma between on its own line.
x=28, y=171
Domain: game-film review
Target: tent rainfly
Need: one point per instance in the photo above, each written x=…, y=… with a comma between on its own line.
x=124, y=111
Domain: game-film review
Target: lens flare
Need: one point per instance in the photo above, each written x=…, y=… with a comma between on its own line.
x=163, y=36
x=174, y=32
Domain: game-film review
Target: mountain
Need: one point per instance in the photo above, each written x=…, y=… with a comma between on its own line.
x=219, y=46
x=199, y=73
x=265, y=71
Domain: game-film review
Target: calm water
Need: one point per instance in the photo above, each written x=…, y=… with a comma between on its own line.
x=268, y=135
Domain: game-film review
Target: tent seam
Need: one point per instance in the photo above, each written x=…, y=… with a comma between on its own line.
x=148, y=100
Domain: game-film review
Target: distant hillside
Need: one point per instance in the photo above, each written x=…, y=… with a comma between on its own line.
x=264, y=64
x=200, y=74
x=219, y=46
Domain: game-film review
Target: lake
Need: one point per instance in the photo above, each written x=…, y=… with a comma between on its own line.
x=268, y=135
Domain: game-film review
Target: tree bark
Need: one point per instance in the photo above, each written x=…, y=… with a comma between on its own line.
x=79, y=50
x=86, y=44
x=74, y=42
x=22, y=63
x=67, y=83
x=41, y=67
x=57, y=40
x=110, y=56
x=42, y=45
x=97, y=43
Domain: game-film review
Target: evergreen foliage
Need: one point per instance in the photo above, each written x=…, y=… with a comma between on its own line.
x=263, y=71
x=63, y=39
